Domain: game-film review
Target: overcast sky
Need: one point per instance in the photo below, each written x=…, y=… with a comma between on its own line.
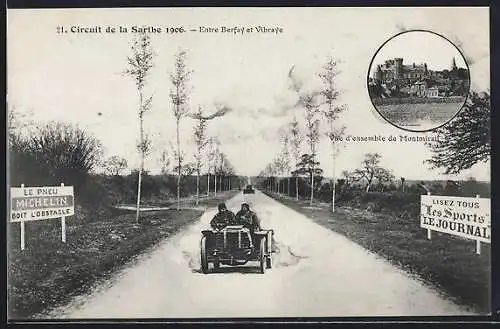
x=74, y=77
x=420, y=47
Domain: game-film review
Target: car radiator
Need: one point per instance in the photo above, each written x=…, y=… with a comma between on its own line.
x=233, y=240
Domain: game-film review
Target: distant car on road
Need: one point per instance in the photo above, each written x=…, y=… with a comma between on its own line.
x=249, y=190
x=235, y=245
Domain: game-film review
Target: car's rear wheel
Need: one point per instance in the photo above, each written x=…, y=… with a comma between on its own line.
x=262, y=256
x=204, y=260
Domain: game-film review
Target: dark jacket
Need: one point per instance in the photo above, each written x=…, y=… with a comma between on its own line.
x=248, y=219
x=222, y=219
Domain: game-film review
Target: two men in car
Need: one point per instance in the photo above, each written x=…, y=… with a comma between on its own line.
x=244, y=217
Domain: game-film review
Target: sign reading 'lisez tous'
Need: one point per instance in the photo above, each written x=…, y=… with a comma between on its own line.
x=36, y=203
x=465, y=217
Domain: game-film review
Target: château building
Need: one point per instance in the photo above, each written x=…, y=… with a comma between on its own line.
x=395, y=69
x=418, y=80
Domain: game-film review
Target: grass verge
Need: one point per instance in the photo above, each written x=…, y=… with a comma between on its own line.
x=48, y=272
x=446, y=262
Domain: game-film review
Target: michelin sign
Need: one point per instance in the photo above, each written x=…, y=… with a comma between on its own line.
x=37, y=203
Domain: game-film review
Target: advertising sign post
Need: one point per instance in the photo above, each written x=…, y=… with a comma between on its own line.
x=38, y=203
x=466, y=217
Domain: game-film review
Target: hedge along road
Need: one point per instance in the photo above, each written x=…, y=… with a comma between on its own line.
x=316, y=272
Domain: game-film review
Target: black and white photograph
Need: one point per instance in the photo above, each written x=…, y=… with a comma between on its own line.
x=209, y=163
x=418, y=80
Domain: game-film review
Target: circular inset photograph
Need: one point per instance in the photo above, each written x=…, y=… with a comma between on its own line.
x=418, y=80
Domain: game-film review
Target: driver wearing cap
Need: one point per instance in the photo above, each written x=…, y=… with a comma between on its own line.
x=223, y=218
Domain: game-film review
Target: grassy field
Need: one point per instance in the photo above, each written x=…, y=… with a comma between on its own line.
x=419, y=114
x=48, y=273
x=447, y=262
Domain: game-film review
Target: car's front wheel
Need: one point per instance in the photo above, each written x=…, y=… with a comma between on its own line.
x=268, y=261
x=262, y=256
x=203, y=252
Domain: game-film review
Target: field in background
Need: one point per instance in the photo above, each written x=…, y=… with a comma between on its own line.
x=419, y=114
x=392, y=230
x=49, y=273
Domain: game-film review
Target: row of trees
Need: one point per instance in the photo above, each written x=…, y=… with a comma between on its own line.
x=369, y=174
x=55, y=152
x=298, y=155
x=140, y=64
x=459, y=145
x=64, y=152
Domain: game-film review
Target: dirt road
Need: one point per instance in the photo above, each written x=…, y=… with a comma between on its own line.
x=316, y=273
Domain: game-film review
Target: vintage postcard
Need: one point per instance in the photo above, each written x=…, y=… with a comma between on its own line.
x=248, y=162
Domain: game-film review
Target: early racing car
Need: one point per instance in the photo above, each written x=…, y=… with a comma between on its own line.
x=249, y=190
x=235, y=245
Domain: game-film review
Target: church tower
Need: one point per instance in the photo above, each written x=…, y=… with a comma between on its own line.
x=453, y=65
x=398, y=68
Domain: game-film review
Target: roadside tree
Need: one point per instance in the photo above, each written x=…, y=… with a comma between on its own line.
x=331, y=112
x=115, y=165
x=296, y=139
x=466, y=140
x=179, y=96
x=140, y=64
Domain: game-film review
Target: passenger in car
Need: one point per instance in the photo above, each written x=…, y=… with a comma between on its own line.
x=248, y=218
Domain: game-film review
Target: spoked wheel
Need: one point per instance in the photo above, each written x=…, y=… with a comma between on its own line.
x=268, y=261
x=269, y=241
x=203, y=251
x=262, y=256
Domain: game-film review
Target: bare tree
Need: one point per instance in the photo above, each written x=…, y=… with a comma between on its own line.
x=139, y=66
x=384, y=177
x=346, y=180
x=210, y=160
x=225, y=170
x=331, y=112
x=220, y=168
x=179, y=96
x=214, y=159
x=295, y=149
x=278, y=171
x=17, y=121
x=281, y=162
x=145, y=146
x=230, y=172
x=285, y=158
x=368, y=171
x=179, y=167
x=200, y=140
x=115, y=165
x=164, y=162
x=187, y=169
x=55, y=150
x=268, y=172
x=309, y=101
